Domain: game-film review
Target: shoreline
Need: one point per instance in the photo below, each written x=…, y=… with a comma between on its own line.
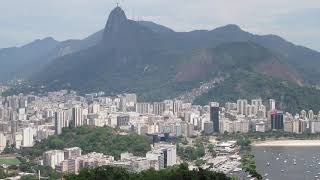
x=287, y=143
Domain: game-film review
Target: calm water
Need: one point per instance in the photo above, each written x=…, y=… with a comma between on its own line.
x=282, y=166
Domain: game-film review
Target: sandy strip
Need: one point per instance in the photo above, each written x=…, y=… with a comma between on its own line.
x=285, y=143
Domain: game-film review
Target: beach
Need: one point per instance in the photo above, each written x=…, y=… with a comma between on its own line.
x=285, y=143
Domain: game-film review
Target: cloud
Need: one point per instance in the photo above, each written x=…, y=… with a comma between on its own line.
x=63, y=19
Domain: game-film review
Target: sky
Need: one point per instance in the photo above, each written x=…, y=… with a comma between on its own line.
x=22, y=21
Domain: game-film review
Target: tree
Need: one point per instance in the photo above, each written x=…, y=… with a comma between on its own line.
x=179, y=172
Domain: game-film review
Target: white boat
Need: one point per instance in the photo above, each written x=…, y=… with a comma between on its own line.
x=237, y=169
x=285, y=161
x=294, y=163
x=277, y=158
x=282, y=170
x=268, y=164
x=266, y=174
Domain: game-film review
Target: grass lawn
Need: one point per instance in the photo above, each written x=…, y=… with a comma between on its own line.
x=9, y=161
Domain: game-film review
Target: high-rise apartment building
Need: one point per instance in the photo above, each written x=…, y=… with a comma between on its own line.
x=214, y=116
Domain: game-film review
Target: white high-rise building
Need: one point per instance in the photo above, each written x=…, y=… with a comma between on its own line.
x=159, y=108
x=53, y=158
x=303, y=114
x=242, y=106
x=60, y=118
x=256, y=102
x=143, y=108
x=314, y=126
x=22, y=114
x=310, y=115
x=1, y=113
x=94, y=108
x=77, y=116
x=3, y=142
x=27, y=135
x=165, y=154
x=262, y=111
x=272, y=104
x=177, y=105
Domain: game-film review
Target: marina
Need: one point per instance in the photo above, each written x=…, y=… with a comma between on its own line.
x=288, y=163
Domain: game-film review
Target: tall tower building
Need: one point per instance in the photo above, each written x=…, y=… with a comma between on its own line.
x=3, y=141
x=272, y=104
x=143, y=108
x=123, y=104
x=214, y=116
x=310, y=115
x=27, y=135
x=159, y=108
x=77, y=116
x=177, y=107
x=277, y=120
x=303, y=114
x=242, y=106
x=60, y=119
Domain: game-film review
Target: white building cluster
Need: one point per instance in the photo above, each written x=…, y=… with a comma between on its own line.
x=71, y=160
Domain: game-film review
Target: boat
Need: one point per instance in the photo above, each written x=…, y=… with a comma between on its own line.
x=237, y=169
x=282, y=170
x=268, y=164
x=285, y=161
x=294, y=163
x=266, y=174
x=277, y=158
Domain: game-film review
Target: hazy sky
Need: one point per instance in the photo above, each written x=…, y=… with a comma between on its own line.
x=22, y=21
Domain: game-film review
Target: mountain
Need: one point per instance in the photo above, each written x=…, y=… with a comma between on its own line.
x=290, y=96
x=21, y=62
x=14, y=59
x=157, y=62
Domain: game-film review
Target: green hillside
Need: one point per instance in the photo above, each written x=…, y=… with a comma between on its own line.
x=252, y=85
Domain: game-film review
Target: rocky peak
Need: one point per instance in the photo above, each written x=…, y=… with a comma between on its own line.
x=116, y=18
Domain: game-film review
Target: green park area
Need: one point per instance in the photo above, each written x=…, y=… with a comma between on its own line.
x=9, y=161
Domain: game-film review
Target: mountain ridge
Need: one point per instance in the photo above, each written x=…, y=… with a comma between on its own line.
x=157, y=62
